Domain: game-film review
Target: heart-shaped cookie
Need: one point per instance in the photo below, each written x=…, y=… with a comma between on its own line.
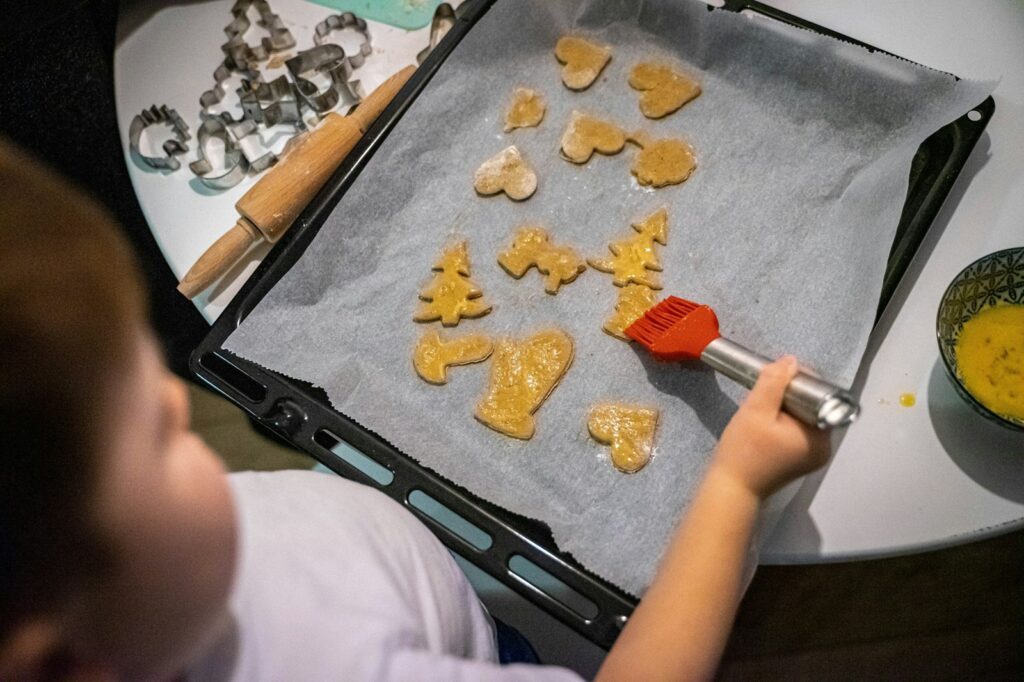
x=662, y=162
x=583, y=61
x=587, y=134
x=628, y=429
x=508, y=172
x=662, y=88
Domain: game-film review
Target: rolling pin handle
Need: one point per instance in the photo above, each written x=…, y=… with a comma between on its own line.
x=224, y=253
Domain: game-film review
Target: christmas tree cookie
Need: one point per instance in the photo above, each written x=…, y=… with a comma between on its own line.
x=451, y=295
x=635, y=259
x=634, y=301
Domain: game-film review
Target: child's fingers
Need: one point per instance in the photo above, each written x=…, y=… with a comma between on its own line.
x=768, y=392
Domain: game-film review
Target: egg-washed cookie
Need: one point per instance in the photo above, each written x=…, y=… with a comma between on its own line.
x=634, y=301
x=531, y=247
x=662, y=88
x=635, y=259
x=583, y=61
x=628, y=429
x=451, y=295
x=523, y=374
x=433, y=356
x=526, y=110
x=508, y=172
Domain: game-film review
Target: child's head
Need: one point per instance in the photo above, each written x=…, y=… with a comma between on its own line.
x=117, y=533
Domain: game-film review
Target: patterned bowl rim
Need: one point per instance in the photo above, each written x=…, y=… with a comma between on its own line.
x=950, y=370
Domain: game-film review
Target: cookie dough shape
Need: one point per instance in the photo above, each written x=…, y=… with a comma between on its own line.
x=451, y=295
x=433, y=356
x=634, y=259
x=508, y=172
x=523, y=374
x=587, y=134
x=526, y=110
x=662, y=162
x=583, y=61
x=629, y=429
x=634, y=301
x=662, y=88
x=531, y=247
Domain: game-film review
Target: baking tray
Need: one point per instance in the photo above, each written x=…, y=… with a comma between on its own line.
x=517, y=551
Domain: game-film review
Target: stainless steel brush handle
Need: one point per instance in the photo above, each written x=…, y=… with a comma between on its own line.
x=808, y=398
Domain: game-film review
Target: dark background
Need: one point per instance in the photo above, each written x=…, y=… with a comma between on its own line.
x=57, y=102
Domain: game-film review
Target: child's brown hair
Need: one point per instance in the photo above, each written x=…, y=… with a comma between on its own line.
x=71, y=298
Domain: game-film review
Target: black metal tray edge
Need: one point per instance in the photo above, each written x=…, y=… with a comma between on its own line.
x=274, y=400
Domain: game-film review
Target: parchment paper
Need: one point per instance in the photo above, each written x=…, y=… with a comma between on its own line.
x=804, y=147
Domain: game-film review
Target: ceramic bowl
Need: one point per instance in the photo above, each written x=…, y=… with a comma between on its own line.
x=995, y=279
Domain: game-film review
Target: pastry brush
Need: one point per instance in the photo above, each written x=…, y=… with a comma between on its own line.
x=677, y=329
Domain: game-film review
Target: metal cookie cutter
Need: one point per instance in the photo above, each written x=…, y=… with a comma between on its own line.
x=239, y=55
x=167, y=116
x=255, y=151
x=340, y=22
x=443, y=21
x=235, y=166
x=270, y=103
x=330, y=60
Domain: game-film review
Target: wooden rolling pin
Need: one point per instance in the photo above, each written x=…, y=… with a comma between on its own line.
x=271, y=205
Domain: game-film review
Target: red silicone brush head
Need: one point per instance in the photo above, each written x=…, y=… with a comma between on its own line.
x=675, y=329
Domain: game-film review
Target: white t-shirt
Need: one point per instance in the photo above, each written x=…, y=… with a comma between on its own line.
x=336, y=581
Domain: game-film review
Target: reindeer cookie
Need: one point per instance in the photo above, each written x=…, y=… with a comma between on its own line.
x=532, y=247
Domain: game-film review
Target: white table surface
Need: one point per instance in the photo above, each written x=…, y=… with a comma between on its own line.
x=903, y=479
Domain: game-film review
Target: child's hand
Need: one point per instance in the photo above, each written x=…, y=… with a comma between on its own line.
x=763, y=448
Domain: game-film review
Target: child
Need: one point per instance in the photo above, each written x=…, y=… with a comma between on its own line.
x=127, y=553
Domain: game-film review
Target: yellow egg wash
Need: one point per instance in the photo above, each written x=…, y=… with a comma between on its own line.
x=990, y=353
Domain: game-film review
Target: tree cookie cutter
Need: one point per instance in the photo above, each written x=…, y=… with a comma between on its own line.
x=167, y=116
x=235, y=163
x=241, y=57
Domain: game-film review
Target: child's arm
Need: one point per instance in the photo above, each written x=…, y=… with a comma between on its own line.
x=681, y=626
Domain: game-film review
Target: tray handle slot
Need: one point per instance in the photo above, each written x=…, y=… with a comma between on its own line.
x=550, y=587
x=233, y=377
x=367, y=467
x=438, y=513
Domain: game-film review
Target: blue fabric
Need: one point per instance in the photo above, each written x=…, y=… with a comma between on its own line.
x=513, y=647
